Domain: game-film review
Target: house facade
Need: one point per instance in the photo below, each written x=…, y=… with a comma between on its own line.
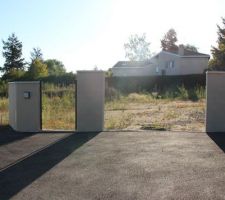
x=180, y=62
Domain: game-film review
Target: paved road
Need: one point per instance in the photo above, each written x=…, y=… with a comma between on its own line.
x=114, y=165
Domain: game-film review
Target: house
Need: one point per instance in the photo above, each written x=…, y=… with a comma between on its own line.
x=170, y=63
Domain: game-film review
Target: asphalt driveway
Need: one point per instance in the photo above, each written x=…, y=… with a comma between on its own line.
x=113, y=165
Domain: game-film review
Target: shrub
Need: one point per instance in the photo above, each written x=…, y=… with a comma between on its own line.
x=183, y=93
x=112, y=94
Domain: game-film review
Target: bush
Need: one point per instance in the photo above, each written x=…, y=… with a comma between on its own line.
x=183, y=93
x=150, y=83
x=3, y=89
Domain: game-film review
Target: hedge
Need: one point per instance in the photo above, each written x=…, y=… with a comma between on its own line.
x=150, y=83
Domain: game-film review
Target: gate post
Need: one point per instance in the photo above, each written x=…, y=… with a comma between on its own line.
x=215, y=101
x=90, y=101
x=25, y=106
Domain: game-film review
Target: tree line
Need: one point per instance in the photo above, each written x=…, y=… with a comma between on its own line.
x=16, y=68
x=138, y=48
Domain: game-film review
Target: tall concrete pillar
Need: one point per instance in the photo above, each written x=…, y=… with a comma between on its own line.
x=215, y=101
x=25, y=106
x=90, y=101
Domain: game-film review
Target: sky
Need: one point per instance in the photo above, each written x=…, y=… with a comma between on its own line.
x=85, y=34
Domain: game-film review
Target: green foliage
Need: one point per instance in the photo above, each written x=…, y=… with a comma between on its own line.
x=137, y=49
x=190, y=47
x=109, y=73
x=55, y=67
x=168, y=43
x=37, y=69
x=154, y=83
x=13, y=75
x=218, y=53
x=3, y=88
x=64, y=79
x=183, y=93
x=12, y=52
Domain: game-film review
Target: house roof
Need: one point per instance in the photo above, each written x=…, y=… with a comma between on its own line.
x=138, y=64
x=132, y=63
x=188, y=53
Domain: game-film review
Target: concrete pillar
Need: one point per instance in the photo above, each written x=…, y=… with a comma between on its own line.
x=25, y=106
x=90, y=101
x=215, y=101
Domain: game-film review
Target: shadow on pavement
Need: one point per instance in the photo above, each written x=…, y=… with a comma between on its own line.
x=219, y=139
x=20, y=175
x=8, y=135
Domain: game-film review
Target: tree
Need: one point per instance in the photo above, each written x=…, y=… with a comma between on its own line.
x=55, y=67
x=13, y=75
x=218, y=53
x=12, y=52
x=137, y=49
x=109, y=73
x=36, y=54
x=190, y=47
x=37, y=69
x=168, y=43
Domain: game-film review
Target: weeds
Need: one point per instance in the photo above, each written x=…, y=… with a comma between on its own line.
x=121, y=121
x=143, y=110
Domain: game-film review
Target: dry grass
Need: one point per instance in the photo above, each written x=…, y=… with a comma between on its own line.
x=58, y=112
x=132, y=112
x=4, y=111
x=155, y=114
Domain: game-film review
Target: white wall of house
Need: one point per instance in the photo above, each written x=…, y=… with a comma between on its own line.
x=193, y=65
x=164, y=60
x=168, y=64
x=173, y=64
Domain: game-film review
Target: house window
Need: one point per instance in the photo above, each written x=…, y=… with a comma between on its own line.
x=157, y=69
x=170, y=64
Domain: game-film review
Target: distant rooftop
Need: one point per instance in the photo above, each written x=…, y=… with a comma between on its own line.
x=148, y=62
x=132, y=63
x=187, y=53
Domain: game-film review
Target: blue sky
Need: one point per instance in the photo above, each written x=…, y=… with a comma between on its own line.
x=88, y=33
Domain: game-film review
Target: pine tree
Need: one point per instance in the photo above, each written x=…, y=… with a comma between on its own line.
x=12, y=52
x=218, y=53
x=168, y=43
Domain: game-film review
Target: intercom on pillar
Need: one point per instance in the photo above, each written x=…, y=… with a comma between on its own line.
x=90, y=101
x=25, y=106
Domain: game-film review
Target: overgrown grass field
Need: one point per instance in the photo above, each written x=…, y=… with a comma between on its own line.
x=173, y=109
